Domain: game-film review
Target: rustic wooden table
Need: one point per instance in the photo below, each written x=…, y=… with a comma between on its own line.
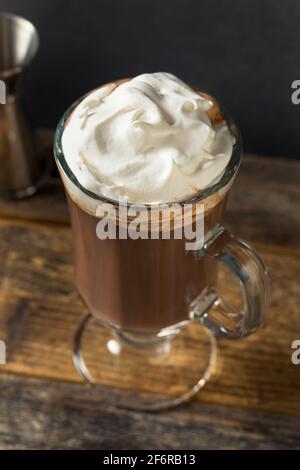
x=253, y=399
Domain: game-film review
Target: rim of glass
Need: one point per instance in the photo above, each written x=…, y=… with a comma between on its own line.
x=228, y=174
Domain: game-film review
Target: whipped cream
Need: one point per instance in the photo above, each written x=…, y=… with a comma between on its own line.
x=149, y=140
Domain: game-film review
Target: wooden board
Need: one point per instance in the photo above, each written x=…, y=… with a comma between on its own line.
x=255, y=390
x=39, y=414
x=38, y=296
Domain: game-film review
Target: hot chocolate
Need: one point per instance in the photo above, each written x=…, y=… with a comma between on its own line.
x=145, y=162
x=139, y=284
x=149, y=140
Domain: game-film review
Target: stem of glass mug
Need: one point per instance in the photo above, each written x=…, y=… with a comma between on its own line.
x=147, y=343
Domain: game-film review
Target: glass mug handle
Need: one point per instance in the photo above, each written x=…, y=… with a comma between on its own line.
x=247, y=266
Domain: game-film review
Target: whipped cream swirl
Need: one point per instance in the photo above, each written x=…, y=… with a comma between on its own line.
x=149, y=140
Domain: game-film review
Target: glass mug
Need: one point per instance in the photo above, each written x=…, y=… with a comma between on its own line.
x=154, y=307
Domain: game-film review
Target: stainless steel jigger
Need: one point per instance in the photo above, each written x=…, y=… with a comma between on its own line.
x=20, y=172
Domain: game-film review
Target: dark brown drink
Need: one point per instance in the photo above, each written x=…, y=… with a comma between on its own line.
x=139, y=285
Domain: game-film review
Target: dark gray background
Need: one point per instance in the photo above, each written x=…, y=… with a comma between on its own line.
x=246, y=52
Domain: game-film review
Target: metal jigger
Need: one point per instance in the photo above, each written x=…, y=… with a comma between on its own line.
x=20, y=173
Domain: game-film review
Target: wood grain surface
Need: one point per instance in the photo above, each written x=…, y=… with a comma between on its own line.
x=39, y=414
x=253, y=399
